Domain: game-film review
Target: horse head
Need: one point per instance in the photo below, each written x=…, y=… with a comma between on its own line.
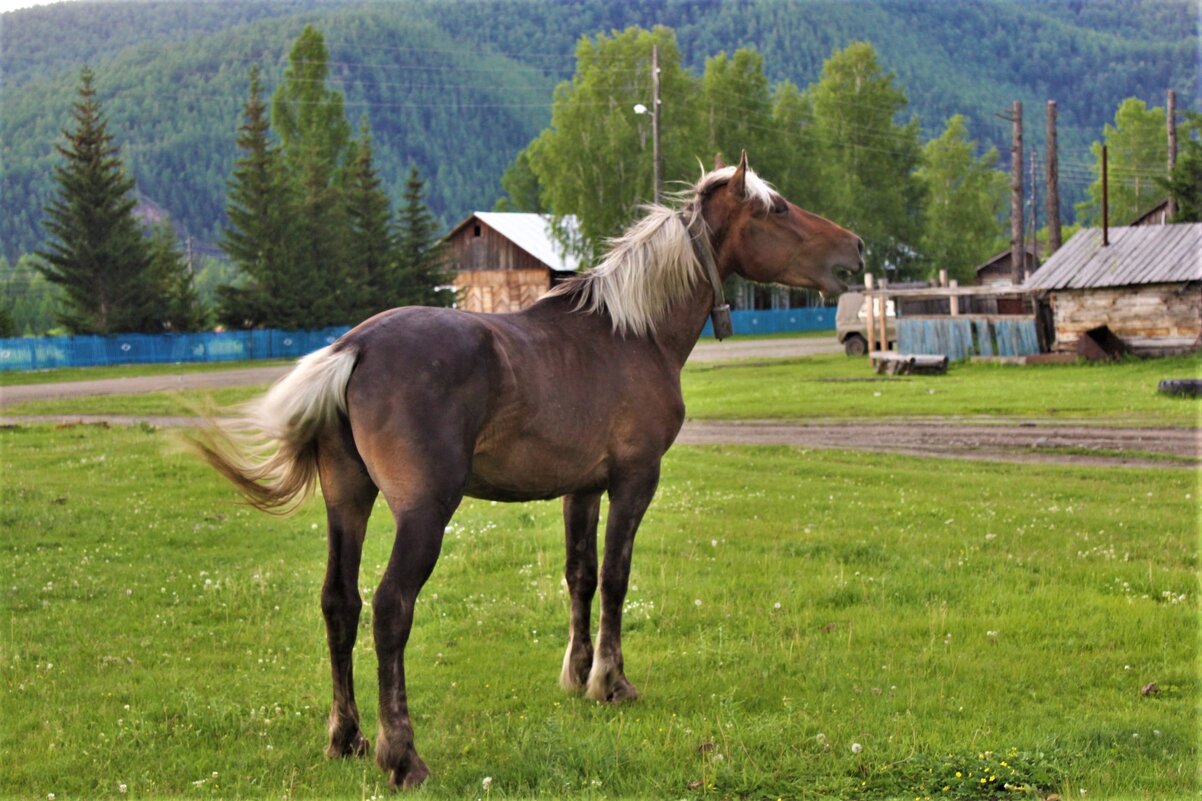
x=760, y=235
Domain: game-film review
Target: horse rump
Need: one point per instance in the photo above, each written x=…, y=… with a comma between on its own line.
x=268, y=449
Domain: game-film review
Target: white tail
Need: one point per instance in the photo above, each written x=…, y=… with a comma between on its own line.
x=268, y=450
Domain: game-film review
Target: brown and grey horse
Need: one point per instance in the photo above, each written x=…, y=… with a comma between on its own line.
x=575, y=397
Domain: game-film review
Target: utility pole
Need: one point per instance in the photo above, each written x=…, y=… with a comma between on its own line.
x=1053, y=180
x=1171, y=120
x=656, y=155
x=1105, y=197
x=1016, y=193
x=1034, y=216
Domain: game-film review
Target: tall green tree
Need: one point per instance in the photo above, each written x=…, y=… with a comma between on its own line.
x=869, y=158
x=1137, y=154
x=1184, y=185
x=258, y=204
x=371, y=254
x=421, y=270
x=965, y=197
x=307, y=115
x=314, y=136
x=793, y=159
x=170, y=270
x=29, y=300
x=595, y=161
x=738, y=106
x=97, y=253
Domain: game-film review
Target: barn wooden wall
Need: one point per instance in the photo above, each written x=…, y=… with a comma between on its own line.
x=501, y=290
x=1157, y=317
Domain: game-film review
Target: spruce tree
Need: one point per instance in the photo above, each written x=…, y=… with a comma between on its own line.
x=259, y=230
x=371, y=247
x=97, y=252
x=172, y=274
x=422, y=265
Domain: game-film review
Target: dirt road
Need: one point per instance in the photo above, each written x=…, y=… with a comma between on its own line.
x=234, y=377
x=1037, y=440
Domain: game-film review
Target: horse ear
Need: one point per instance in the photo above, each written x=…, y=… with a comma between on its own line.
x=718, y=162
x=738, y=181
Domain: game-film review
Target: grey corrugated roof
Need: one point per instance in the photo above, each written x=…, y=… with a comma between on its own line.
x=1143, y=254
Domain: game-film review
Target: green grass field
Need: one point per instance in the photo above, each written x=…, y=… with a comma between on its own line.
x=835, y=386
x=812, y=625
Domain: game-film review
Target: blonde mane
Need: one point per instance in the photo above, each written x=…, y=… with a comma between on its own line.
x=652, y=266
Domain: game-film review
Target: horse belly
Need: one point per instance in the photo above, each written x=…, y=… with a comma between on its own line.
x=531, y=469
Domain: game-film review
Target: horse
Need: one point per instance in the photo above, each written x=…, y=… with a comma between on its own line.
x=574, y=397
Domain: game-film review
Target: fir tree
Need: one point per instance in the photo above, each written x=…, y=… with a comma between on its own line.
x=421, y=264
x=258, y=234
x=172, y=274
x=371, y=246
x=98, y=254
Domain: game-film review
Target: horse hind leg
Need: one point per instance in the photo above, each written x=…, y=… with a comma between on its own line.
x=580, y=515
x=349, y=494
x=420, y=526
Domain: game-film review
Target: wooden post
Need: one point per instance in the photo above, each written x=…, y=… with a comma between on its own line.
x=1016, y=193
x=1171, y=121
x=1053, y=179
x=954, y=300
x=657, y=159
x=870, y=317
x=884, y=319
x=943, y=278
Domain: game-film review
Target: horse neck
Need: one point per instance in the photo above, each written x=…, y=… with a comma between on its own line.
x=681, y=327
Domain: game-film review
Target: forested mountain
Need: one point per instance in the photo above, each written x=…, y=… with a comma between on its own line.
x=459, y=88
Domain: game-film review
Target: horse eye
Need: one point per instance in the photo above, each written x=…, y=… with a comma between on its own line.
x=780, y=207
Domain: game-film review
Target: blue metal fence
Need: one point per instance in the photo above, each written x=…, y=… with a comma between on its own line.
x=778, y=321
x=962, y=337
x=228, y=346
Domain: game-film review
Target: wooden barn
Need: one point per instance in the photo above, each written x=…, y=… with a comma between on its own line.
x=503, y=262
x=997, y=271
x=1145, y=286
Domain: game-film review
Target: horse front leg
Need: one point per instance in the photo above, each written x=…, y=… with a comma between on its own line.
x=580, y=514
x=629, y=497
x=418, y=541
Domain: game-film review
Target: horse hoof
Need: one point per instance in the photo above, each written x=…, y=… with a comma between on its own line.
x=354, y=746
x=411, y=777
x=623, y=691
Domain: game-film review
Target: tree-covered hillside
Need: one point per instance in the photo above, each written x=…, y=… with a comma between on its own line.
x=459, y=88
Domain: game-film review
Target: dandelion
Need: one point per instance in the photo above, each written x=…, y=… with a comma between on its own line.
x=487, y=783
x=121, y=788
x=697, y=602
x=776, y=605
x=856, y=748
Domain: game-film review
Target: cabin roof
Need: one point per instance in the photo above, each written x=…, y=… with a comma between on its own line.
x=532, y=233
x=1146, y=254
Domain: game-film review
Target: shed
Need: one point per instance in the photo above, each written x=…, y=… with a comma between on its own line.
x=1145, y=286
x=505, y=261
x=997, y=271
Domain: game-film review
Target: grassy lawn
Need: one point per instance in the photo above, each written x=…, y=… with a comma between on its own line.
x=835, y=386
x=801, y=625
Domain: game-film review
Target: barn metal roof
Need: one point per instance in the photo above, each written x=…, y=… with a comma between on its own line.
x=532, y=233
x=1144, y=254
